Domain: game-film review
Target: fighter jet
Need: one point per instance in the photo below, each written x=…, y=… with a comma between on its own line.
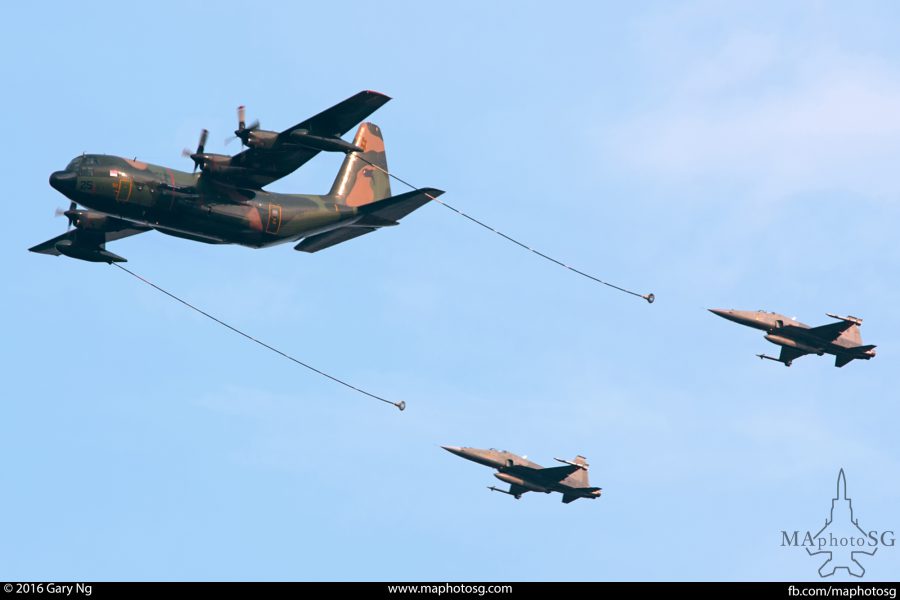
x=797, y=339
x=522, y=475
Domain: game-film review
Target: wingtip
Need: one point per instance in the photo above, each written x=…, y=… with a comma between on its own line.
x=379, y=94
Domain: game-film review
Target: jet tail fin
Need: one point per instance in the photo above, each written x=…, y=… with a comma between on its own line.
x=361, y=181
x=579, y=477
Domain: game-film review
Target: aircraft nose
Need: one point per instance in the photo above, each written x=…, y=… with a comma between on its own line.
x=63, y=182
x=741, y=317
x=731, y=315
x=454, y=449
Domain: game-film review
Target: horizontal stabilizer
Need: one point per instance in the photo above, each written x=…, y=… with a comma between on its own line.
x=373, y=216
x=585, y=492
x=397, y=207
x=841, y=360
x=314, y=243
x=374, y=221
x=856, y=352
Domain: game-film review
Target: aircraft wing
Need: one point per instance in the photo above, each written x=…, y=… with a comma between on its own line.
x=89, y=238
x=789, y=354
x=342, y=117
x=517, y=490
x=378, y=214
x=829, y=332
x=549, y=475
x=263, y=166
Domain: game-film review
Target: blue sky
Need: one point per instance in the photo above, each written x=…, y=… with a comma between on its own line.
x=739, y=157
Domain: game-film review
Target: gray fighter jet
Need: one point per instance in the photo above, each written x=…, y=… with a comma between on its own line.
x=797, y=339
x=522, y=475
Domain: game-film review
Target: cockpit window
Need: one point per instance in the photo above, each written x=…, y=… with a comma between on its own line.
x=85, y=164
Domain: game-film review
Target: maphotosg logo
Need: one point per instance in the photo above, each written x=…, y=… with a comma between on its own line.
x=842, y=542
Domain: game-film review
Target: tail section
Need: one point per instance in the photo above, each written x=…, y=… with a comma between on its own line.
x=580, y=477
x=851, y=336
x=358, y=182
x=861, y=352
x=590, y=492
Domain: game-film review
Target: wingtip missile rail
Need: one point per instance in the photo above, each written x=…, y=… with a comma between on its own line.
x=848, y=318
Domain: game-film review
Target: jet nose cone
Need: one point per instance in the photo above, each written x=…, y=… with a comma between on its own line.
x=731, y=315
x=748, y=318
x=63, y=182
x=453, y=449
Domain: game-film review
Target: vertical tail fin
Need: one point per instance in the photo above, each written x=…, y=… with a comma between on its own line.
x=580, y=477
x=358, y=182
x=851, y=336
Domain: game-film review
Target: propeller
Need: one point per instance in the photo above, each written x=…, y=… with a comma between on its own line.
x=71, y=214
x=243, y=131
x=197, y=156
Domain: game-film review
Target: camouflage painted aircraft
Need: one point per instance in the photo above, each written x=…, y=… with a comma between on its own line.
x=523, y=476
x=797, y=339
x=225, y=202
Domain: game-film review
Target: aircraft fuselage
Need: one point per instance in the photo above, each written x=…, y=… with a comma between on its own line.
x=514, y=470
x=789, y=333
x=187, y=205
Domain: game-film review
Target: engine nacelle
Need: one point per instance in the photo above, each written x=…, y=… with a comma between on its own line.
x=89, y=220
x=259, y=138
x=223, y=169
x=326, y=144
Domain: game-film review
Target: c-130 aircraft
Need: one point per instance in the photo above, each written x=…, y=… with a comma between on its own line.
x=225, y=202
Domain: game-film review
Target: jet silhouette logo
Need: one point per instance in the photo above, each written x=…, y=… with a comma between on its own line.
x=841, y=541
